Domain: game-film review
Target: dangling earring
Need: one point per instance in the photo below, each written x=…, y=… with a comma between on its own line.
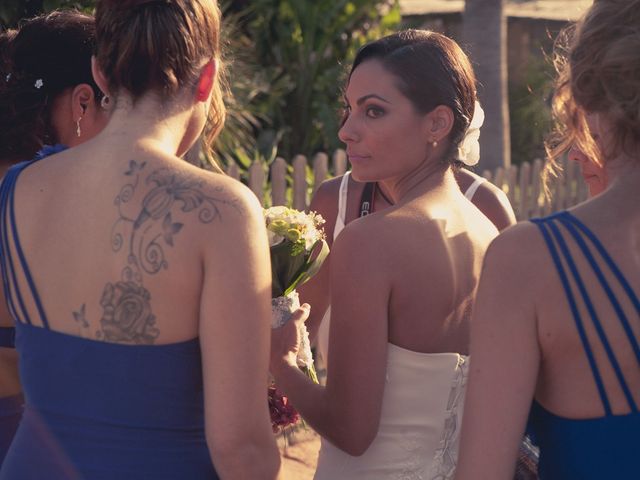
x=434, y=144
x=105, y=102
x=78, y=131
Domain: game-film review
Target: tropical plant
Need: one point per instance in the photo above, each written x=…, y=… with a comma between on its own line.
x=530, y=112
x=302, y=46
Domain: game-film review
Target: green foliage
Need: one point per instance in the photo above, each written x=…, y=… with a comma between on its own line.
x=286, y=65
x=302, y=47
x=530, y=112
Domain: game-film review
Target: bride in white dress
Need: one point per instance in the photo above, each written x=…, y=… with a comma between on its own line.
x=403, y=279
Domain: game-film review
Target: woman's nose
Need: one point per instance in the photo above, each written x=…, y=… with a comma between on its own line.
x=347, y=132
x=577, y=156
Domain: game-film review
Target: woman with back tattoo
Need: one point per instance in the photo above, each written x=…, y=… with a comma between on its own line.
x=124, y=265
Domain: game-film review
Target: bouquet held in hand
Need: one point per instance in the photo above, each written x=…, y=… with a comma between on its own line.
x=298, y=248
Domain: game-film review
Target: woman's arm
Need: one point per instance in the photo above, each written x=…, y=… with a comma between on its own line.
x=347, y=410
x=494, y=204
x=316, y=292
x=505, y=358
x=234, y=336
x=489, y=199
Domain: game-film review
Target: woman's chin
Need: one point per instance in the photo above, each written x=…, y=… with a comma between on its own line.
x=362, y=176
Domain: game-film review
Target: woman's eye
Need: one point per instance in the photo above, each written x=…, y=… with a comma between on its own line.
x=374, y=112
x=344, y=114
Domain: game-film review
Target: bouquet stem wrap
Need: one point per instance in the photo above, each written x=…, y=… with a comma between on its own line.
x=282, y=309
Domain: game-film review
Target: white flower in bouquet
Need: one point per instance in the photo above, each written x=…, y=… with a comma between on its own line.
x=298, y=248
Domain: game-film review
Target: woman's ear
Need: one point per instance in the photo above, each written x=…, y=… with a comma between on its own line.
x=99, y=77
x=439, y=123
x=82, y=98
x=206, y=81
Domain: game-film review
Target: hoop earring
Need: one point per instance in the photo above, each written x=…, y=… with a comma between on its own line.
x=105, y=102
x=78, y=130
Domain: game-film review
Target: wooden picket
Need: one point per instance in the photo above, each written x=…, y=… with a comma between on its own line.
x=294, y=184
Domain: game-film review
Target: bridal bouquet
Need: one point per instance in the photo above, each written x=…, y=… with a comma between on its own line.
x=298, y=248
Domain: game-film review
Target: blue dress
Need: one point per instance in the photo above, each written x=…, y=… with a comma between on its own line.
x=11, y=407
x=598, y=448
x=97, y=410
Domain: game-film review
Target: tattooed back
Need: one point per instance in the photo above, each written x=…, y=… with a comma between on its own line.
x=120, y=249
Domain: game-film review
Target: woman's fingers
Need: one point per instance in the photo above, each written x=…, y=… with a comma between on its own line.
x=301, y=314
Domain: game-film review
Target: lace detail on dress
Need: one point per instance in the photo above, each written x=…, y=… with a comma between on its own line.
x=414, y=467
x=446, y=456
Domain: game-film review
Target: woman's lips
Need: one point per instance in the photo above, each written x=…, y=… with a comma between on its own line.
x=356, y=157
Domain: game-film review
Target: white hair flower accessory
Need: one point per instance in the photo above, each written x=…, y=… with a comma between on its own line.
x=469, y=149
x=39, y=83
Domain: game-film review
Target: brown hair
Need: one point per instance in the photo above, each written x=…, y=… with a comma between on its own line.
x=46, y=56
x=431, y=70
x=160, y=46
x=598, y=63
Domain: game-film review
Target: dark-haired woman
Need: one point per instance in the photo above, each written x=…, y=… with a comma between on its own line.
x=47, y=97
x=556, y=329
x=403, y=279
x=140, y=284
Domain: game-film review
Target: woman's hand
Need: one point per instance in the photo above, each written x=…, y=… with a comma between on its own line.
x=286, y=340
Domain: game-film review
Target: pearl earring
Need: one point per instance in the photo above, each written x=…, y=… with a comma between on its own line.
x=434, y=143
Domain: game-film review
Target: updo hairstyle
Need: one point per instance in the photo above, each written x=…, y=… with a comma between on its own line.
x=46, y=56
x=160, y=47
x=430, y=70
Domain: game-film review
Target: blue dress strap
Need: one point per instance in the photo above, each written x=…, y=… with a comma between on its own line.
x=577, y=230
x=541, y=223
x=573, y=225
x=9, y=279
x=9, y=235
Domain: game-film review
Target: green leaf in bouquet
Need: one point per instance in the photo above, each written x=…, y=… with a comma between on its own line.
x=284, y=267
x=310, y=267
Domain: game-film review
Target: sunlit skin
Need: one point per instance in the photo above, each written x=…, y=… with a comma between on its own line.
x=595, y=175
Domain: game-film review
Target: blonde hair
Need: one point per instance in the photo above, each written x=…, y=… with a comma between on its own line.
x=160, y=46
x=598, y=64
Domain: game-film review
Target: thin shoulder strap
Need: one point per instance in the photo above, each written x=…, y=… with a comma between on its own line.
x=607, y=258
x=473, y=188
x=577, y=230
x=13, y=297
x=9, y=226
x=541, y=223
x=561, y=217
x=342, y=205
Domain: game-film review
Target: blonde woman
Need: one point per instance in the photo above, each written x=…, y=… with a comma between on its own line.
x=556, y=327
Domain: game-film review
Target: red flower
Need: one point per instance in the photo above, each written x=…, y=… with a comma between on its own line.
x=282, y=412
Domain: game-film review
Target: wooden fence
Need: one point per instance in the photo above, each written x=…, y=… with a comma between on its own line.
x=284, y=184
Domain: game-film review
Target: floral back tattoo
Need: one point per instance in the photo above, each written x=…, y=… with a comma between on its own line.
x=127, y=315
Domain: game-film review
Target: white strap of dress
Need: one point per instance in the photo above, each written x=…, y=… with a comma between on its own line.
x=471, y=191
x=342, y=205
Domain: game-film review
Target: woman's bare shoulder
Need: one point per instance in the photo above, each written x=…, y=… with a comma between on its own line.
x=490, y=200
x=325, y=198
x=519, y=249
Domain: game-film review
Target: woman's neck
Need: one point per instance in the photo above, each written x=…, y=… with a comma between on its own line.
x=148, y=124
x=409, y=186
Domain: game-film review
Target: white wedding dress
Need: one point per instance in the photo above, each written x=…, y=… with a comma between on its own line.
x=421, y=413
